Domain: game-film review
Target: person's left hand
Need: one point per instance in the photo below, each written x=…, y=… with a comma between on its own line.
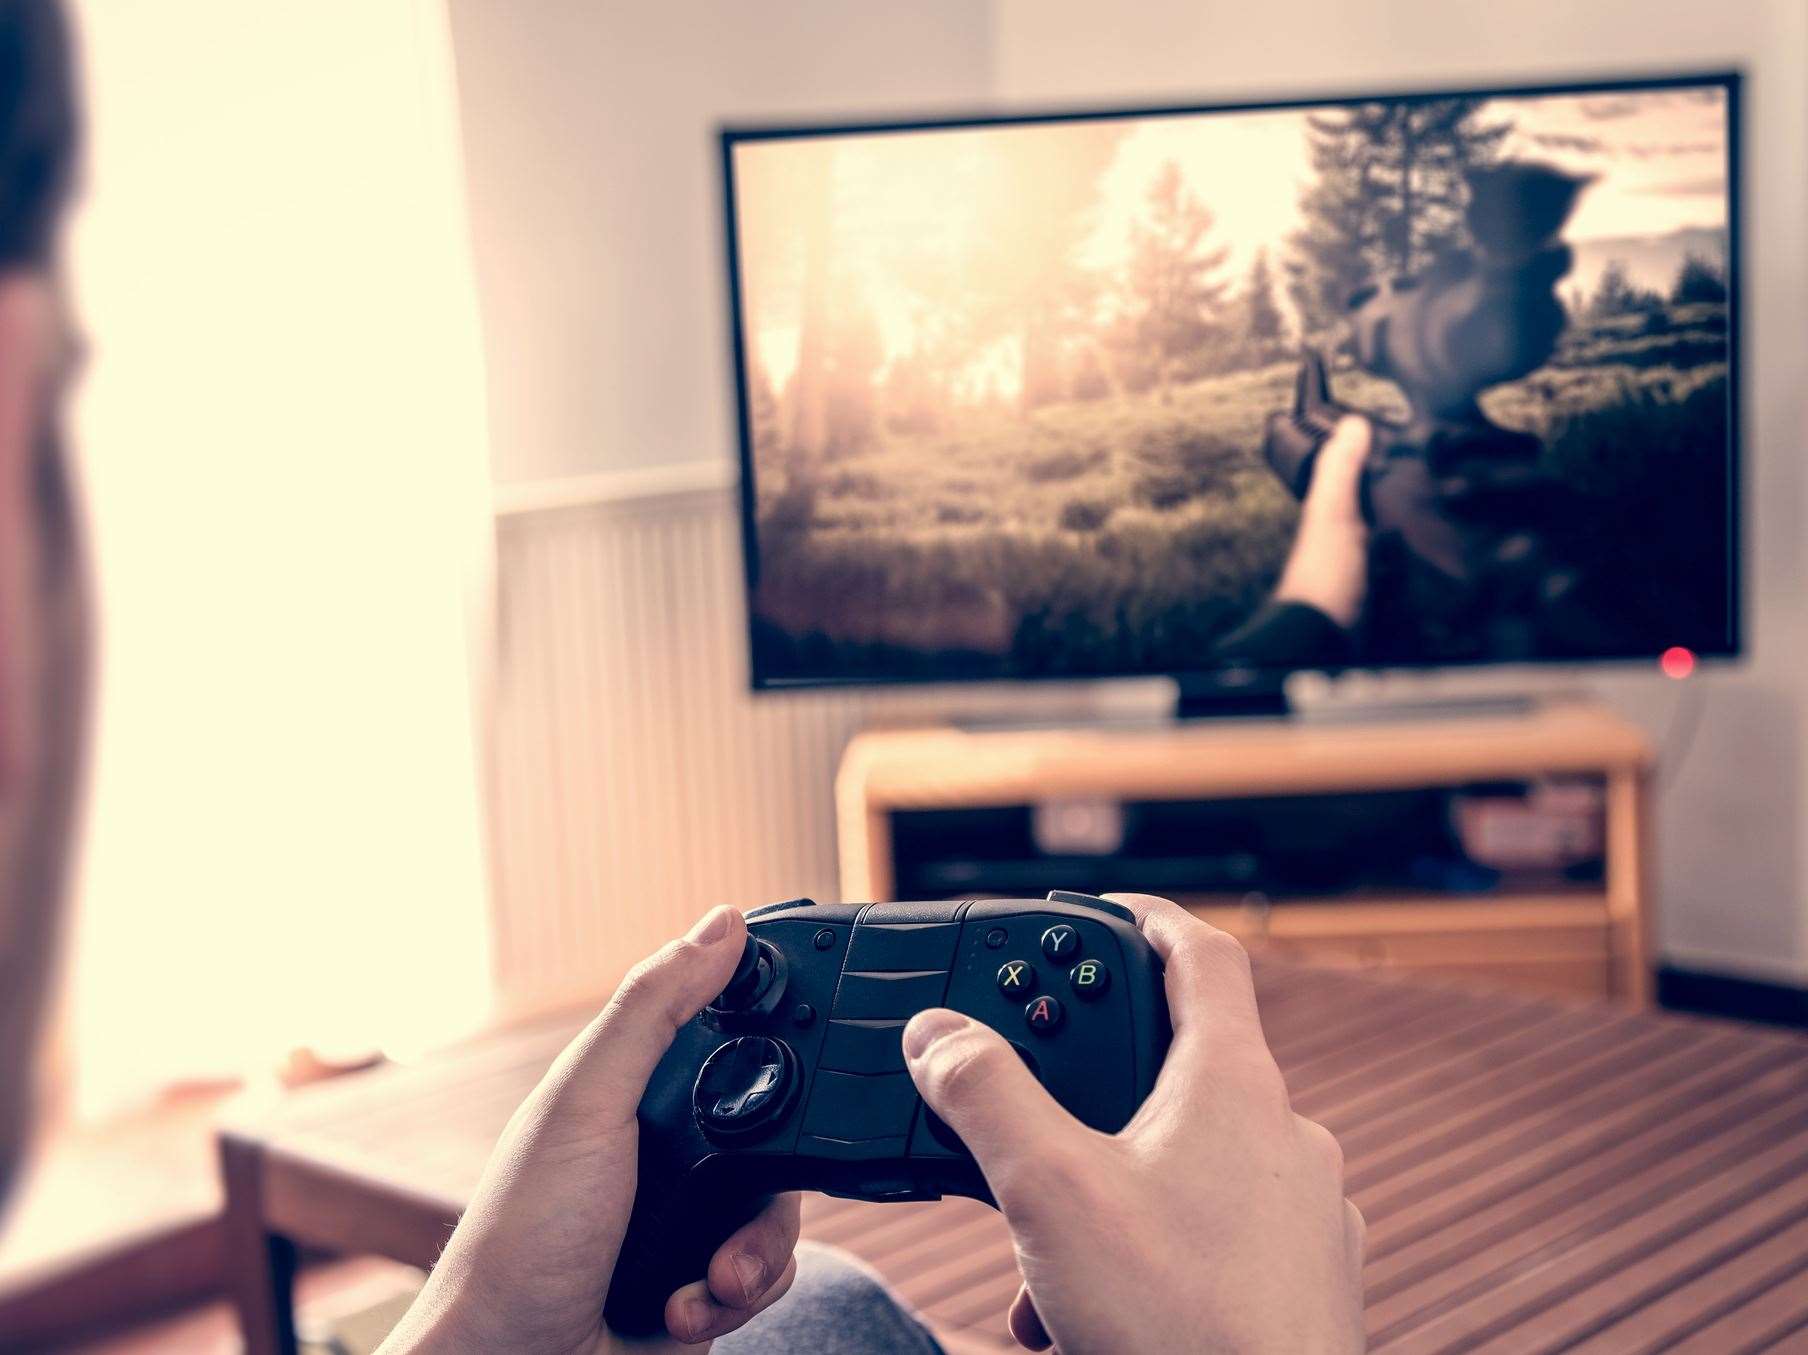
x=529, y=1265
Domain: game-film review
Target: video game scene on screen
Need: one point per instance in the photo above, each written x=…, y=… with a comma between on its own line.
x=1011, y=392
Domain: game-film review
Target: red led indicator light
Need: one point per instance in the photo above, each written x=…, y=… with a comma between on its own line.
x=1676, y=662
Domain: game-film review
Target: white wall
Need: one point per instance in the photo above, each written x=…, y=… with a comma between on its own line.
x=594, y=205
x=280, y=437
x=1732, y=869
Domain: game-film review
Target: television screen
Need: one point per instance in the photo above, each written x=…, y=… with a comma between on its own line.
x=1060, y=396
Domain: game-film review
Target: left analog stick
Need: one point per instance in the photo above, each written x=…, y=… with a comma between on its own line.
x=746, y=1086
x=755, y=983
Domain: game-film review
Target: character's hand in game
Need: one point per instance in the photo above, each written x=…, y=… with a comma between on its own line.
x=1216, y=1220
x=1328, y=567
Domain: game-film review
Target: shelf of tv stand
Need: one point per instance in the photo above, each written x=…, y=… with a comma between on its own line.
x=1578, y=938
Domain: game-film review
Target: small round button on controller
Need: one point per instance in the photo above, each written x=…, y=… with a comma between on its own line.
x=1016, y=977
x=1089, y=980
x=745, y=1087
x=1044, y=1015
x=1061, y=942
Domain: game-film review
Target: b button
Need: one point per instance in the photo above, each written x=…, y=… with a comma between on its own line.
x=1043, y=1015
x=1090, y=979
x=1016, y=977
x=1060, y=942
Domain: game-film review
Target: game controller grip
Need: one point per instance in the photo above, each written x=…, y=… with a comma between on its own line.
x=672, y=1234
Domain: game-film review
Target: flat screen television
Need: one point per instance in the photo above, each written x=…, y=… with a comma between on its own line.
x=1054, y=396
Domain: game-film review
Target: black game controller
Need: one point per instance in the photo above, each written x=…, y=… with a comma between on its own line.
x=794, y=1079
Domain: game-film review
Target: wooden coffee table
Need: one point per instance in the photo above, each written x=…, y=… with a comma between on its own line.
x=1537, y=1175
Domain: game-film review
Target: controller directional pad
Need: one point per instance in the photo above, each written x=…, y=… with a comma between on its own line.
x=744, y=1086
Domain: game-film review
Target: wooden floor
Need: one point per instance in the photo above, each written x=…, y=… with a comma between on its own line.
x=1536, y=1177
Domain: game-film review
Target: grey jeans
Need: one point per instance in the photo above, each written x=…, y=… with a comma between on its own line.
x=837, y=1306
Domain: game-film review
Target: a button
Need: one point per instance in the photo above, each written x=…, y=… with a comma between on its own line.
x=1060, y=942
x=1090, y=979
x=1016, y=977
x=803, y=1015
x=909, y=945
x=849, y=1107
x=745, y=1086
x=866, y=996
x=996, y=938
x=823, y=939
x=863, y=1047
x=1044, y=1015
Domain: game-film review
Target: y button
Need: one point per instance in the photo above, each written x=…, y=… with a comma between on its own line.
x=1060, y=942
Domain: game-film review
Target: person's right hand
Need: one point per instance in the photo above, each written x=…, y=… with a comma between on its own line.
x=1214, y=1221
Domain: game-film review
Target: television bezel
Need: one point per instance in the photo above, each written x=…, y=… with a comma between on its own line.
x=1230, y=679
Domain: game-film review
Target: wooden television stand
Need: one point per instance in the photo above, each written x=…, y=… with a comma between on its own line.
x=1587, y=938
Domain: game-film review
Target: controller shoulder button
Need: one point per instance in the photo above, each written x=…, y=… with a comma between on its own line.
x=1116, y=910
x=766, y=908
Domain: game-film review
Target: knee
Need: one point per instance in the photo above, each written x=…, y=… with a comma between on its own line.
x=832, y=1278
x=837, y=1305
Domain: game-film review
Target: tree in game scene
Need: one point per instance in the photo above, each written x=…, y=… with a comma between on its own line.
x=1262, y=318
x=1616, y=294
x=1698, y=280
x=764, y=419
x=1025, y=281
x=1172, y=298
x=852, y=356
x=1389, y=196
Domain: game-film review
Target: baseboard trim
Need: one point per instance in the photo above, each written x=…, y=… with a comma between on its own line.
x=1710, y=994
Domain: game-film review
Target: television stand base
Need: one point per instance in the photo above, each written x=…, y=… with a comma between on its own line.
x=1420, y=708
x=1263, y=698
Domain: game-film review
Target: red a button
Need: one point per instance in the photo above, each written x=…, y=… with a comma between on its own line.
x=1043, y=1015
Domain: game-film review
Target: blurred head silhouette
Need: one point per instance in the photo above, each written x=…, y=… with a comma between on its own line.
x=44, y=614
